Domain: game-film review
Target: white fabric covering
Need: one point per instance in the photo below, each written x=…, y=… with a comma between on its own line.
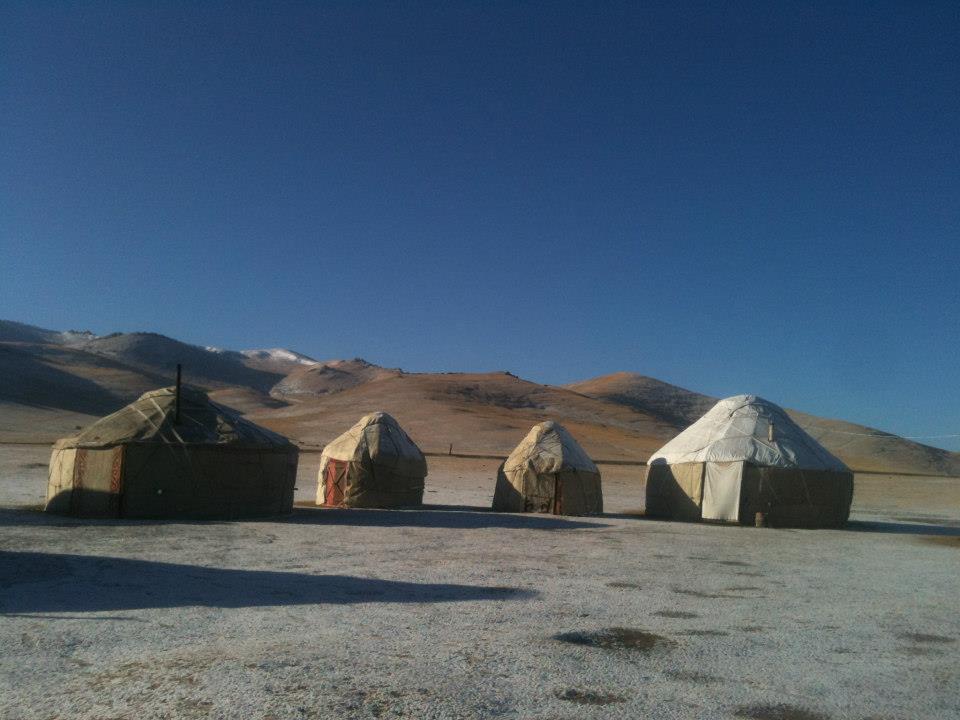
x=721, y=491
x=738, y=429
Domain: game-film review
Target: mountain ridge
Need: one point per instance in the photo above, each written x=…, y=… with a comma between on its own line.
x=62, y=380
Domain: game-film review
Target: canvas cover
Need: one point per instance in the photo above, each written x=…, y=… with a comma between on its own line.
x=674, y=491
x=549, y=472
x=151, y=419
x=374, y=464
x=743, y=457
x=721, y=491
x=738, y=429
x=796, y=498
x=141, y=462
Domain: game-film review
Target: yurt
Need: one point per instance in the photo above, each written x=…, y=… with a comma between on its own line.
x=172, y=454
x=746, y=461
x=548, y=472
x=374, y=464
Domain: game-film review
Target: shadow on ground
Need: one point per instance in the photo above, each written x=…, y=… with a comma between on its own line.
x=901, y=528
x=32, y=582
x=458, y=517
x=910, y=526
x=461, y=517
x=430, y=516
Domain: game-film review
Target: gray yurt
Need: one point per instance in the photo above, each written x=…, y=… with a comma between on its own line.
x=149, y=460
x=374, y=464
x=746, y=457
x=548, y=472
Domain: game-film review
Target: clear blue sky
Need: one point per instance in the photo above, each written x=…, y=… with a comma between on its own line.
x=748, y=198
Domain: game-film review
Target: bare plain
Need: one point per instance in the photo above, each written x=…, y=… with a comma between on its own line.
x=456, y=612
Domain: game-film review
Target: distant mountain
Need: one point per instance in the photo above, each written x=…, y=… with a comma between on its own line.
x=52, y=381
x=159, y=354
x=48, y=388
x=11, y=331
x=49, y=376
x=315, y=379
x=275, y=360
x=487, y=413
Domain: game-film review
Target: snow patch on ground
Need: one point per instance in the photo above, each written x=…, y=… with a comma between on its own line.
x=76, y=337
x=276, y=354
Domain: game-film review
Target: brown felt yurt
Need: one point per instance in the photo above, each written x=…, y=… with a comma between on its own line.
x=374, y=464
x=548, y=472
x=147, y=460
x=746, y=461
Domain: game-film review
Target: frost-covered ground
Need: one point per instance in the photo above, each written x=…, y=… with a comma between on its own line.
x=461, y=613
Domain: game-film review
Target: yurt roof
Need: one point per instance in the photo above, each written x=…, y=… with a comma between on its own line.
x=380, y=435
x=550, y=448
x=151, y=418
x=738, y=429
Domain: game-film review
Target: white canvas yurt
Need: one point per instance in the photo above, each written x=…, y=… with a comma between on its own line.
x=374, y=464
x=746, y=457
x=548, y=472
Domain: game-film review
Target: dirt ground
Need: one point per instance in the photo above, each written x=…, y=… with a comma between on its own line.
x=456, y=612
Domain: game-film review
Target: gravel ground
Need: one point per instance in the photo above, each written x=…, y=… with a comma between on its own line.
x=455, y=612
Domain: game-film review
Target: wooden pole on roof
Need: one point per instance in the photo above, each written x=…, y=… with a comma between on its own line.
x=176, y=406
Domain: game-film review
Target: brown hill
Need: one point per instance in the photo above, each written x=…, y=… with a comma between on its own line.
x=54, y=381
x=53, y=376
x=11, y=331
x=861, y=447
x=245, y=400
x=675, y=405
x=486, y=413
x=49, y=390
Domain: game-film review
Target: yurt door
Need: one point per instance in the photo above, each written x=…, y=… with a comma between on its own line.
x=334, y=481
x=721, y=491
x=97, y=483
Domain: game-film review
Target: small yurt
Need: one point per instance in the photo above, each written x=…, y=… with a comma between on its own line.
x=746, y=461
x=374, y=464
x=171, y=454
x=548, y=472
